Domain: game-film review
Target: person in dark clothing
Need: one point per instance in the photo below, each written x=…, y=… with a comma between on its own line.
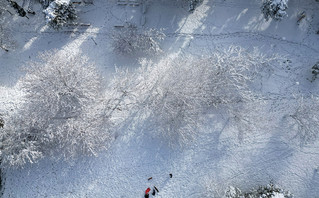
x=154, y=191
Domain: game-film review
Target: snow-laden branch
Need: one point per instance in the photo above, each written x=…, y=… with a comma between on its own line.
x=172, y=94
x=63, y=114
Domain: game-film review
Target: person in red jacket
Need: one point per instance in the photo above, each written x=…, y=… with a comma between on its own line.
x=147, y=193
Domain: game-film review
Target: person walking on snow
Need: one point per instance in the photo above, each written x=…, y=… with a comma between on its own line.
x=155, y=189
x=147, y=193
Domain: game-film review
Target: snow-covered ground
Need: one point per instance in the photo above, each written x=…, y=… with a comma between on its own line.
x=221, y=155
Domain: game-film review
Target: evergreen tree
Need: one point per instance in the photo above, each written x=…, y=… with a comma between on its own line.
x=59, y=13
x=275, y=9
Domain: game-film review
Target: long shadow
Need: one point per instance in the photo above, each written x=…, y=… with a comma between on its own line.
x=33, y=36
x=312, y=184
x=271, y=160
x=197, y=32
x=209, y=24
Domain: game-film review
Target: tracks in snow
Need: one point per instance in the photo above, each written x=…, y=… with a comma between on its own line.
x=215, y=37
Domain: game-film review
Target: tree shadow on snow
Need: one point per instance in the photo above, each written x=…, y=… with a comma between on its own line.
x=33, y=36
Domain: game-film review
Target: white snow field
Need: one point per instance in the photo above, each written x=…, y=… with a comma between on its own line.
x=222, y=154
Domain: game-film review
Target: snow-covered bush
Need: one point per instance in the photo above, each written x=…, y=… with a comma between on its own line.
x=276, y=9
x=59, y=13
x=173, y=93
x=131, y=40
x=63, y=114
x=269, y=191
x=304, y=119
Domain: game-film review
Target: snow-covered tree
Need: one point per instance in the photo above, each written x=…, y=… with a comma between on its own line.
x=172, y=94
x=63, y=114
x=131, y=40
x=59, y=13
x=275, y=9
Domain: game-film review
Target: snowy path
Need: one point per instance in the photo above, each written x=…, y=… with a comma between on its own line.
x=222, y=155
